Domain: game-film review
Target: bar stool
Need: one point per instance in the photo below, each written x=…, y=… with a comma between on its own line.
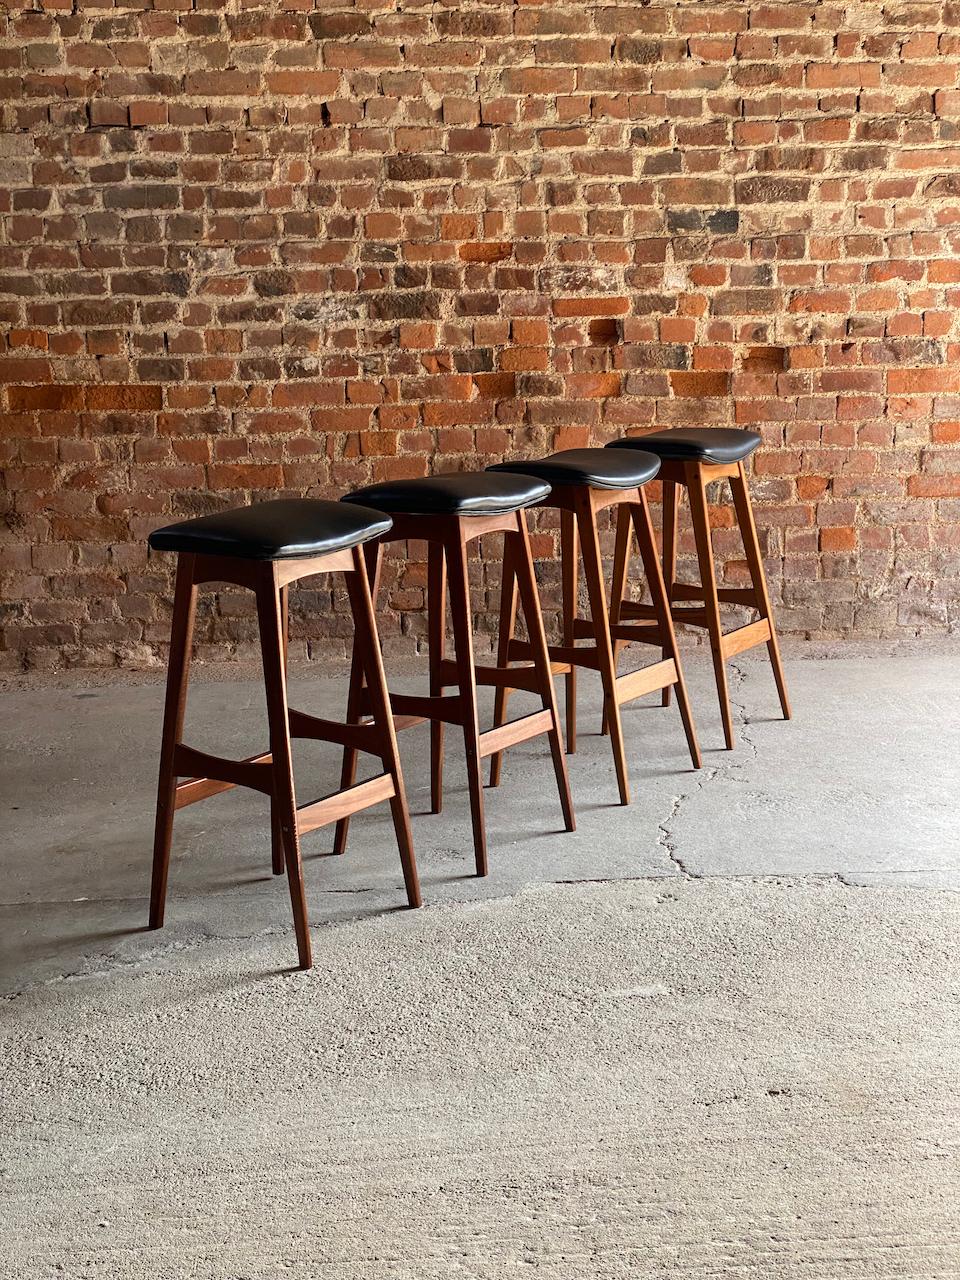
x=448, y=512
x=266, y=547
x=693, y=457
x=584, y=482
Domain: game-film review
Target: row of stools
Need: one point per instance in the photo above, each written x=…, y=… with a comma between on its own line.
x=267, y=546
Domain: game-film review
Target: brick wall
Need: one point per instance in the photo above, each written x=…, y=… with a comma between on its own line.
x=294, y=248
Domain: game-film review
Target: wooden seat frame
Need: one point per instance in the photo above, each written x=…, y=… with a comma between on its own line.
x=694, y=477
x=579, y=506
x=447, y=538
x=272, y=771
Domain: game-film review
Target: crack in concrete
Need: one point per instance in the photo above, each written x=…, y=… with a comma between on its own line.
x=666, y=839
x=743, y=721
x=772, y=877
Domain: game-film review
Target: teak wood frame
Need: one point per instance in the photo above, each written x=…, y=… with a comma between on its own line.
x=447, y=538
x=579, y=506
x=694, y=477
x=272, y=771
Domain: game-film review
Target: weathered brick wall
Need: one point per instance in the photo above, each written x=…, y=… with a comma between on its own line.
x=293, y=248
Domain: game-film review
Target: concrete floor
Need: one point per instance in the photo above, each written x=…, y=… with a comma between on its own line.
x=714, y=1034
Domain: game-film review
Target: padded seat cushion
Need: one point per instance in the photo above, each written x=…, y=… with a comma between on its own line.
x=285, y=529
x=695, y=444
x=594, y=468
x=467, y=493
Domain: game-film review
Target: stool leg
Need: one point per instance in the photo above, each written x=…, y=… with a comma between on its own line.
x=671, y=495
x=456, y=555
x=505, y=631
x=618, y=591
x=751, y=544
x=658, y=594
x=373, y=556
x=276, y=838
x=697, y=489
x=533, y=616
x=348, y=769
x=284, y=795
x=175, y=702
x=368, y=646
x=437, y=645
x=597, y=593
x=570, y=577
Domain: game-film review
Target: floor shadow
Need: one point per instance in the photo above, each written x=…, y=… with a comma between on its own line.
x=109, y=935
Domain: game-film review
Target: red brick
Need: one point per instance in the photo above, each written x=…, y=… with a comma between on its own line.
x=700, y=384
x=303, y=394
x=591, y=306
x=925, y=381
x=134, y=399
x=823, y=300
x=147, y=113
x=244, y=476
x=485, y=251
x=947, y=486
x=35, y=338
x=22, y=399
x=303, y=83
x=592, y=385
x=25, y=370
x=222, y=84
x=838, y=539
x=843, y=75
x=418, y=336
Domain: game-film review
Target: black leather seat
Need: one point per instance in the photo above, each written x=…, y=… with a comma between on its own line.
x=285, y=529
x=695, y=444
x=469, y=493
x=594, y=468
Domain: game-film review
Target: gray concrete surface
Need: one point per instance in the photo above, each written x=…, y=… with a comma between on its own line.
x=714, y=1034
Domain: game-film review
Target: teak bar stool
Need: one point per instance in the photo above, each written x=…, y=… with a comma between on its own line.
x=584, y=482
x=266, y=547
x=693, y=457
x=448, y=512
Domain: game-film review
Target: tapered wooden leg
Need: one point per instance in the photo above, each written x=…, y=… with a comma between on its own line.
x=570, y=577
x=437, y=645
x=373, y=558
x=348, y=768
x=462, y=622
x=751, y=544
x=371, y=658
x=671, y=495
x=505, y=631
x=618, y=592
x=643, y=527
x=533, y=616
x=175, y=702
x=697, y=489
x=621, y=564
x=285, y=623
x=276, y=837
x=284, y=795
x=596, y=591
x=276, y=842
